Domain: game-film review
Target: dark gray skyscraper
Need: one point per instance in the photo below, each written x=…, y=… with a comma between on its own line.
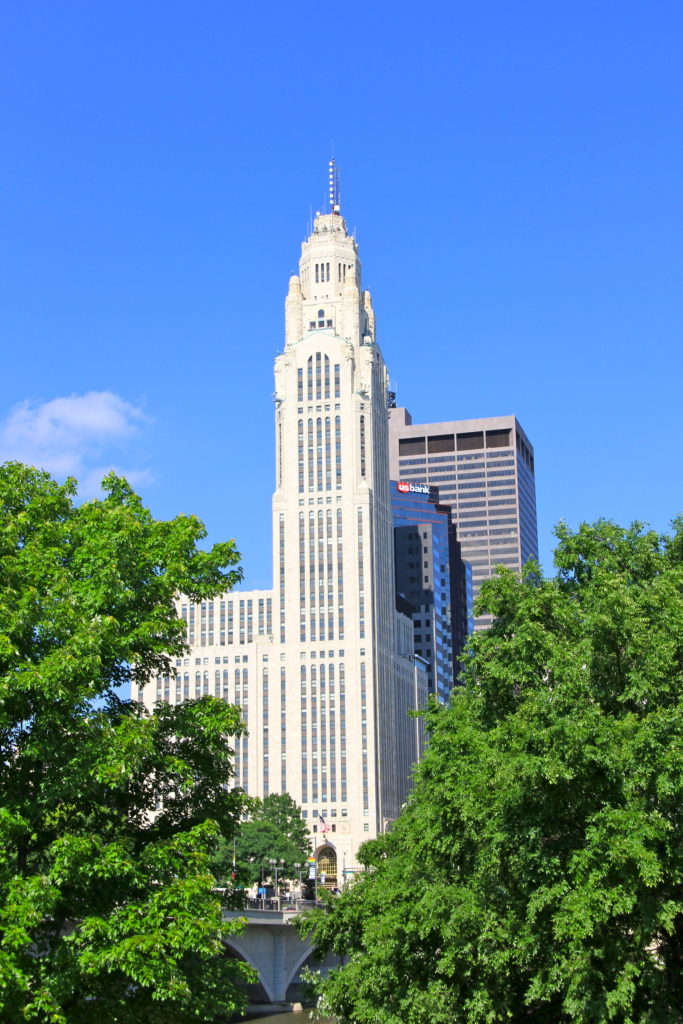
x=484, y=470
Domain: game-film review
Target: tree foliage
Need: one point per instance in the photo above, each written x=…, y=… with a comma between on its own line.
x=282, y=811
x=106, y=903
x=275, y=831
x=537, y=872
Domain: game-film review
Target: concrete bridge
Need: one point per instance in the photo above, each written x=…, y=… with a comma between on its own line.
x=271, y=945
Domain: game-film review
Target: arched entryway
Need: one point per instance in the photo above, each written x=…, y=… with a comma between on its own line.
x=327, y=866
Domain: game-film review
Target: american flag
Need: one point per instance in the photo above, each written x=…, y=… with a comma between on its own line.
x=324, y=827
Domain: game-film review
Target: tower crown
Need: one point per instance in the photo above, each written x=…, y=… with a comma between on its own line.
x=329, y=256
x=326, y=295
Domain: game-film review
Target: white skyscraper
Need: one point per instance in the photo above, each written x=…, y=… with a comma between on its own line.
x=323, y=665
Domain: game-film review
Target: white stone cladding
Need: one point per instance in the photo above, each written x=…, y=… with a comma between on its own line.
x=331, y=673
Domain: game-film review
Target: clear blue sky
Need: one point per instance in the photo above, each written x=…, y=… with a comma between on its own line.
x=514, y=173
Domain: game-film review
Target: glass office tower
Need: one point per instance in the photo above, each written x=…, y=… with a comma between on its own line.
x=432, y=578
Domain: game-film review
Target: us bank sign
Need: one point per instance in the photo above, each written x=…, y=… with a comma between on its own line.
x=406, y=488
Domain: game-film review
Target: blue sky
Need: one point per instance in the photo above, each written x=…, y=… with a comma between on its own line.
x=514, y=176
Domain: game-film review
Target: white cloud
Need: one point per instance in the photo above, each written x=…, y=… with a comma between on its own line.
x=90, y=482
x=73, y=436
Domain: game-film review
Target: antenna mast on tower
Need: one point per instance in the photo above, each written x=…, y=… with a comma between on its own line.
x=335, y=205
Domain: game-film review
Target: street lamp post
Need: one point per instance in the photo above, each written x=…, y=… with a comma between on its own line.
x=277, y=865
x=273, y=865
x=297, y=867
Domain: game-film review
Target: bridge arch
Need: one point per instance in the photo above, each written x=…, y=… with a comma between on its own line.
x=294, y=995
x=274, y=949
x=258, y=991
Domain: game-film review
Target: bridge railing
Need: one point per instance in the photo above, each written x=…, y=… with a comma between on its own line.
x=282, y=904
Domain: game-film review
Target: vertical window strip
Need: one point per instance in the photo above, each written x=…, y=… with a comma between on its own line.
x=342, y=733
x=318, y=376
x=362, y=446
x=361, y=576
x=328, y=455
x=283, y=731
x=314, y=735
x=329, y=574
x=327, y=377
x=309, y=379
x=340, y=577
x=332, y=766
x=304, y=739
x=321, y=575
x=323, y=736
x=311, y=574
x=364, y=735
x=337, y=452
x=245, y=737
x=319, y=566
x=302, y=578
x=319, y=452
x=282, y=576
x=337, y=380
x=300, y=454
x=311, y=477
x=266, y=727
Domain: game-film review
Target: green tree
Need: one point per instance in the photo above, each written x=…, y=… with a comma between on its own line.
x=109, y=815
x=537, y=872
x=275, y=830
x=282, y=811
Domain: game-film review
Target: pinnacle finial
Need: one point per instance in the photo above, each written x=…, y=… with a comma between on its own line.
x=335, y=206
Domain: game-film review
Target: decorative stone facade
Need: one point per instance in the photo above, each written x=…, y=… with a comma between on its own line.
x=323, y=666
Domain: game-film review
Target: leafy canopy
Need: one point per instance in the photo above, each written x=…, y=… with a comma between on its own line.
x=274, y=831
x=106, y=902
x=537, y=872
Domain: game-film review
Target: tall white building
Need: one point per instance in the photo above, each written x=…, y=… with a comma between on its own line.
x=323, y=666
